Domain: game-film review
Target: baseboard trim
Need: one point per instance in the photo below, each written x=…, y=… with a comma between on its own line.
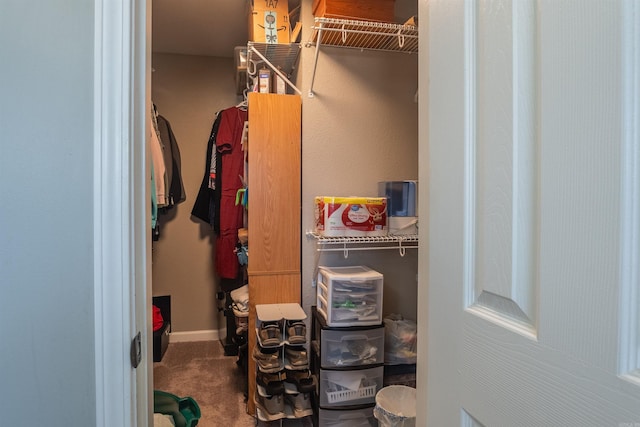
x=190, y=336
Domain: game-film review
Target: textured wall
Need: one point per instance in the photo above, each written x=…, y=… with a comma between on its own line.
x=188, y=91
x=361, y=127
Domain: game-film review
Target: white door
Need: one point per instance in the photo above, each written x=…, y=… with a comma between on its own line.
x=124, y=393
x=533, y=267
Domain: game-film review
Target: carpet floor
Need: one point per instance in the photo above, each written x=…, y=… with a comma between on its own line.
x=201, y=370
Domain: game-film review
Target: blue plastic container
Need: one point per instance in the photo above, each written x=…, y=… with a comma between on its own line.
x=401, y=197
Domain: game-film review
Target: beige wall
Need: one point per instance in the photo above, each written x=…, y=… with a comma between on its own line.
x=360, y=128
x=188, y=91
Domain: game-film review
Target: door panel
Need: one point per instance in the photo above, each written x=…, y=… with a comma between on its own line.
x=534, y=213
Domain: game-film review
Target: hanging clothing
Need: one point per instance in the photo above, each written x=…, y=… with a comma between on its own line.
x=171, y=153
x=229, y=148
x=224, y=168
x=159, y=168
x=203, y=205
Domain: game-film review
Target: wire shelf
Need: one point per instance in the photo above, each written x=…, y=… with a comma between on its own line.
x=282, y=58
x=364, y=35
x=361, y=35
x=364, y=243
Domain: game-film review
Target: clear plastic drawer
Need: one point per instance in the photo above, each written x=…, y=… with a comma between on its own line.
x=346, y=418
x=350, y=296
x=359, y=347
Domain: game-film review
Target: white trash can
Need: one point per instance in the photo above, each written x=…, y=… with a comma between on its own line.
x=396, y=406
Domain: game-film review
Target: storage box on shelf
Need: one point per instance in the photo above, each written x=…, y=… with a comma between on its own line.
x=284, y=383
x=269, y=22
x=369, y=10
x=349, y=296
x=348, y=364
x=402, y=214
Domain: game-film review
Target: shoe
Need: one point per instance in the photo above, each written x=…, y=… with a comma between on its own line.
x=300, y=403
x=297, y=357
x=271, y=382
x=270, y=335
x=270, y=408
x=296, y=332
x=267, y=361
x=303, y=380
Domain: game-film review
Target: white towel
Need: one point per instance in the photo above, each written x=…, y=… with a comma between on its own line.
x=161, y=420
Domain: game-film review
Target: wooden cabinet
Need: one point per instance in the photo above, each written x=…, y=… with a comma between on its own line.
x=274, y=206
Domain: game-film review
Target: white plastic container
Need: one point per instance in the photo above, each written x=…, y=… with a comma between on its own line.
x=349, y=296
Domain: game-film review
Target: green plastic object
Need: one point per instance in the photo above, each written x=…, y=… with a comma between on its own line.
x=185, y=411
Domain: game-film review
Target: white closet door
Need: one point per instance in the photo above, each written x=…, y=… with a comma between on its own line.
x=534, y=197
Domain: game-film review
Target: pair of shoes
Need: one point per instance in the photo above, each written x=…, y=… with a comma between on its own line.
x=303, y=380
x=268, y=360
x=297, y=357
x=296, y=332
x=271, y=382
x=270, y=334
x=300, y=403
x=270, y=408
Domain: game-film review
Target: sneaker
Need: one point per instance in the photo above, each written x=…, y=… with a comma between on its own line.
x=297, y=357
x=270, y=408
x=300, y=403
x=270, y=334
x=303, y=380
x=296, y=332
x=267, y=361
x=270, y=382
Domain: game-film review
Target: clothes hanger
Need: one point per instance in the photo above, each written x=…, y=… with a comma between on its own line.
x=243, y=104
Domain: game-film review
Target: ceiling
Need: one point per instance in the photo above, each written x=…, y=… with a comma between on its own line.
x=200, y=27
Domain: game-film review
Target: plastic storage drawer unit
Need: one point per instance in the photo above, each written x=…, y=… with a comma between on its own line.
x=355, y=387
x=350, y=296
x=355, y=346
x=346, y=418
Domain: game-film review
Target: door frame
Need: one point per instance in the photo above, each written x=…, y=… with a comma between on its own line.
x=122, y=269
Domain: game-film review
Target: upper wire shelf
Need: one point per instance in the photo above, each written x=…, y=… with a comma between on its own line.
x=361, y=35
x=364, y=35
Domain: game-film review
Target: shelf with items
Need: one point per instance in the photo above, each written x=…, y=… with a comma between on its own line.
x=364, y=243
x=284, y=383
x=282, y=58
x=363, y=35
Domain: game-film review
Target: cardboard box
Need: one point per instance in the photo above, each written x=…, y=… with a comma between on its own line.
x=351, y=216
x=366, y=10
x=269, y=22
